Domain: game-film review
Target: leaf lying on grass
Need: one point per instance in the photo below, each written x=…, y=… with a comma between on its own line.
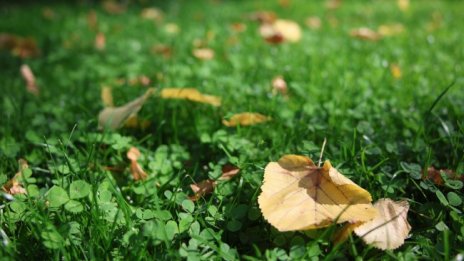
x=245, y=119
x=152, y=13
x=114, y=117
x=389, y=229
x=136, y=170
x=279, y=85
x=24, y=47
x=203, y=53
x=280, y=31
x=14, y=186
x=190, y=94
x=298, y=195
x=106, y=96
x=391, y=29
x=365, y=33
x=100, y=41
x=207, y=186
x=29, y=77
x=434, y=175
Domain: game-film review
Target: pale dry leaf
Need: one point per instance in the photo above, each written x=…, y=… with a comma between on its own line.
x=314, y=22
x=245, y=119
x=365, y=33
x=279, y=85
x=203, y=53
x=298, y=195
x=190, y=94
x=114, y=117
x=290, y=30
x=107, y=96
x=270, y=34
x=152, y=13
x=390, y=228
x=28, y=76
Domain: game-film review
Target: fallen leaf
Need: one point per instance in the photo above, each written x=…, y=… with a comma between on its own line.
x=365, y=33
x=100, y=41
x=207, y=186
x=14, y=186
x=279, y=85
x=113, y=7
x=238, y=27
x=114, y=117
x=298, y=195
x=342, y=234
x=281, y=30
x=29, y=77
x=333, y=4
x=435, y=175
x=162, y=49
x=135, y=123
x=245, y=119
x=203, y=53
x=140, y=80
x=270, y=34
x=390, y=228
x=267, y=17
x=395, y=71
x=314, y=22
x=190, y=94
x=152, y=13
x=171, y=28
x=107, y=96
x=403, y=5
x=391, y=29
x=136, y=170
x=92, y=20
x=48, y=13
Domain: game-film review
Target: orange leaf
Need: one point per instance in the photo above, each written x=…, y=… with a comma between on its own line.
x=29, y=77
x=435, y=175
x=190, y=94
x=100, y=41
x=245, y=119
x=228, y=172
x=137, y=172
x=203, y=53
x=14, y=186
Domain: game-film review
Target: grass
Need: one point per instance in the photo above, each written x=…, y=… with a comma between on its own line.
x=381, y=131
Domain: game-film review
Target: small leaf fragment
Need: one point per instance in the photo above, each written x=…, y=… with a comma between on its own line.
x=365, y=33
x=190, y=94
x=203, y=53
x=14, y=185
x=29, y=77
x=136, y=170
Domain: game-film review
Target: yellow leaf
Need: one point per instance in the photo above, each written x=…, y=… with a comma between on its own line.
x=152, y=13
x=403, y=5
x=107, y=96
x=298, y=195
x=389, y=229
x=114, y=117
x=190, y=94
x=391, y=29
x=245, y=119
x=290, y=30
x=395, y=71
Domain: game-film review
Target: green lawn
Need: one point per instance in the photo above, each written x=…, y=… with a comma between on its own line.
x=381, y=131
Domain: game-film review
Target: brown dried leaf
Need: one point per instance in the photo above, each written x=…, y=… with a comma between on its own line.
x=435, y=175
x=238, y=27
x=202, y=188
x=365, y=33
x=29, y=77
x=190, y=94
x=228, y=172
x=245, y=119
x=136, y=170
x=265, y=17
x=162, y=49
x=25, y=48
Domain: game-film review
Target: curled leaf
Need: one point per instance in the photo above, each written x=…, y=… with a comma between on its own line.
x=136, y=170
x=190, y=94
x=390, y=228
x=365, y=33
x=207, y=186
x=114, y=117
x=29, y=77
x=14, y=185
x=298, y=195
x=245, y=119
